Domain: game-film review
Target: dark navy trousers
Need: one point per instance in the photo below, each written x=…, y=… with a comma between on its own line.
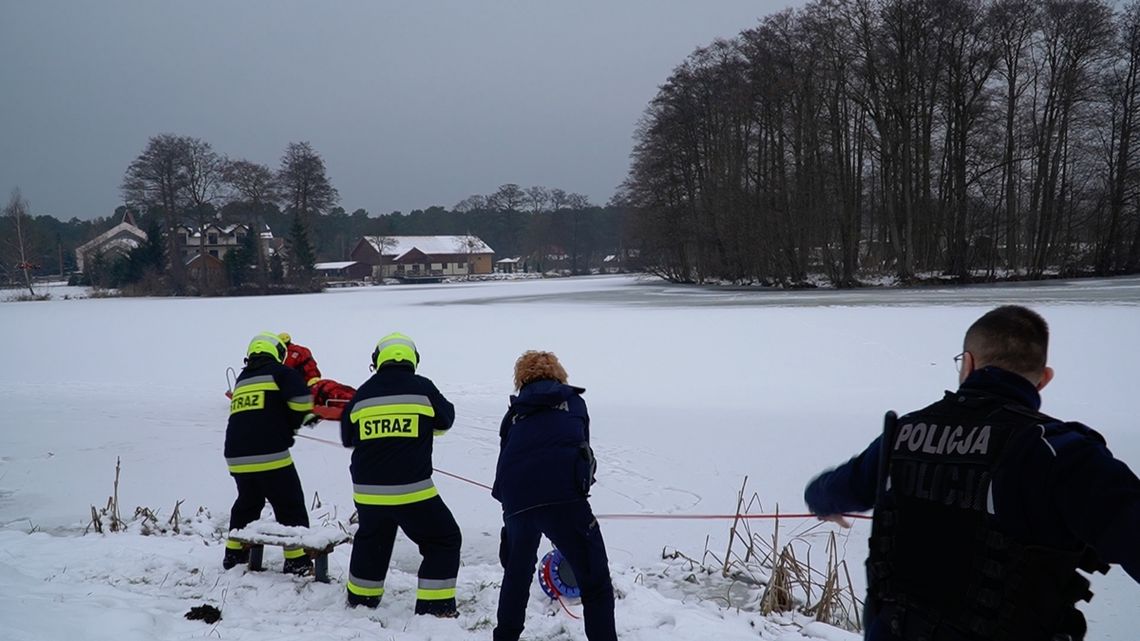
x=572, y=528
x=281, y=487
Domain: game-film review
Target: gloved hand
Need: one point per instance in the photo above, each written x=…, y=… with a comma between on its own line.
x=310, y=420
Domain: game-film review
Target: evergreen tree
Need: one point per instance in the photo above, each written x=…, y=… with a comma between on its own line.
x=300, y=251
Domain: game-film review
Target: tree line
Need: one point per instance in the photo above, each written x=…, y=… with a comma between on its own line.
x=975, y=139
x=181, y=180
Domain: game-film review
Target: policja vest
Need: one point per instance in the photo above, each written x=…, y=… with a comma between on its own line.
x=940, y=567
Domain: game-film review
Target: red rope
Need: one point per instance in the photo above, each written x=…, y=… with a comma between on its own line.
x=709, y=517
x=554, y=589
x=659, y=517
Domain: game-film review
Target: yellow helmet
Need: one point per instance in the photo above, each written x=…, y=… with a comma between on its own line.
x=267, y=343
x=285, y=337
x=395, y=347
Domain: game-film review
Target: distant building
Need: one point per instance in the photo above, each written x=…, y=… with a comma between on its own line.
x=508, y=265
x=423, y=256
x=206, y=269
x=115, y=242
x=221, y=239
x=344, y=270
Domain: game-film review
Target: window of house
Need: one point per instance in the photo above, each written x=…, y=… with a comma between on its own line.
x=183, y=239
x=212, y=239
x=214, y=253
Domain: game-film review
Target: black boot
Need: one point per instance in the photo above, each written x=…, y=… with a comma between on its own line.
x=234, y=558
x=355, y=600
x=442, y=608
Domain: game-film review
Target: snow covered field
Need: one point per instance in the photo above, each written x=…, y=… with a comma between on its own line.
x=689, y=391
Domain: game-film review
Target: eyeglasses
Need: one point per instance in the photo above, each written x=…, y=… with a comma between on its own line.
x=958, y=361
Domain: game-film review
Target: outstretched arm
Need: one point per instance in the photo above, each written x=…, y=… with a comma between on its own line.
x=847, y=488
x=1099, y=499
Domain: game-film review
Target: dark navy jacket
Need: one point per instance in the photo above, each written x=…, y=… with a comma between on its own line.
x=263, y=421
x=544, y=448
x=395, y=461
x=1060, y=488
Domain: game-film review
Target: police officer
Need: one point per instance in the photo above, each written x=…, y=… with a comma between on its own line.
x=269, y=404
x=985, y=508
x=391, y=423
x=543, y=479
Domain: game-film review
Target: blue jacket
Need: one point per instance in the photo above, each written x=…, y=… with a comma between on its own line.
x=1060, y=489
x=544, y=448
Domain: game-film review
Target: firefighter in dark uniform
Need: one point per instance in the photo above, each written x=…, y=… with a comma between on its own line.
x=543, y=479
x=390, y=423
x=269, y=404
x=985, y=508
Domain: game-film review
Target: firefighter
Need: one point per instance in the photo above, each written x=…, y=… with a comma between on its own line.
x=543, y=478
x=301, y=359
x=391, y=423
x=985, y=508
x=270, y=402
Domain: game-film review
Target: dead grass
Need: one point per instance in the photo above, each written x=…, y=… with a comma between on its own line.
x=778, y=563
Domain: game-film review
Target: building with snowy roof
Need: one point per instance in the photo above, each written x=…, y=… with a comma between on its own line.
x=423, y=256
x=343, y=270
x=116, y=241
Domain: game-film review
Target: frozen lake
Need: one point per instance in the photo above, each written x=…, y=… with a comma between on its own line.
x=689, y=389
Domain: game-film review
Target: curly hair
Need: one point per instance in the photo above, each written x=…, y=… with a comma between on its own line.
x=536, y=366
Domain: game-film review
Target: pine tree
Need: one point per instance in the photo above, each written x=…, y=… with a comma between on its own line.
x=300, y=251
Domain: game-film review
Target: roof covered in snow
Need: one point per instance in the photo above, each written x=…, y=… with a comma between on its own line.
x=340, y=264
x=120, y=231
x=397, y=246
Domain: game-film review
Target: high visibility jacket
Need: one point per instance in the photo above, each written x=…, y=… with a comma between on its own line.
x=998, y=501
x=269, y=402
x=391, y=423
x=544, y=448
x=301, y=359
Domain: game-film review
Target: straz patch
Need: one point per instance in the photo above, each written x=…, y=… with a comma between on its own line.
x=392, y=425
x=243, y=401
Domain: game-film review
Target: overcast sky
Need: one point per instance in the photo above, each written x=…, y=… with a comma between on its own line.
x=412, y=103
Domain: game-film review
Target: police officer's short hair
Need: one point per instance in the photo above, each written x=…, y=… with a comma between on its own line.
x=1011, y=337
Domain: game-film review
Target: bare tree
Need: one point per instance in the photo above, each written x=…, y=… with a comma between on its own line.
x=508, y=197
x=304, y=185
x=471, y=203
x=1122, y=85
x=17, y=211
x=536, y=198
x=256, y=185
x=204, y=173
x=307, y=191
x=157, y=180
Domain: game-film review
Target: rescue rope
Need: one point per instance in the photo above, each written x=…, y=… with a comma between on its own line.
x=710, y=517
x=658, y=517
x=554, y=588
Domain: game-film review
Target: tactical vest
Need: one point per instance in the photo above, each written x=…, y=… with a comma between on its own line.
x=940, y=567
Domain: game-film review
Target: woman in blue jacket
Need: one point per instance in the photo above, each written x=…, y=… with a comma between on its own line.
x=543, y=479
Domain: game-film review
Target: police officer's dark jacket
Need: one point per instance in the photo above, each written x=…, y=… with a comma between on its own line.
x=544, y=448
x=390, y=423
x=986, y=510
x=269, y=402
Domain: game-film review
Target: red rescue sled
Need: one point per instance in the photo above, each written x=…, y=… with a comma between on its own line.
x=329, y=398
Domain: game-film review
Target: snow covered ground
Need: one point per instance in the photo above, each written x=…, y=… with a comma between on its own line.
x=689, y=390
